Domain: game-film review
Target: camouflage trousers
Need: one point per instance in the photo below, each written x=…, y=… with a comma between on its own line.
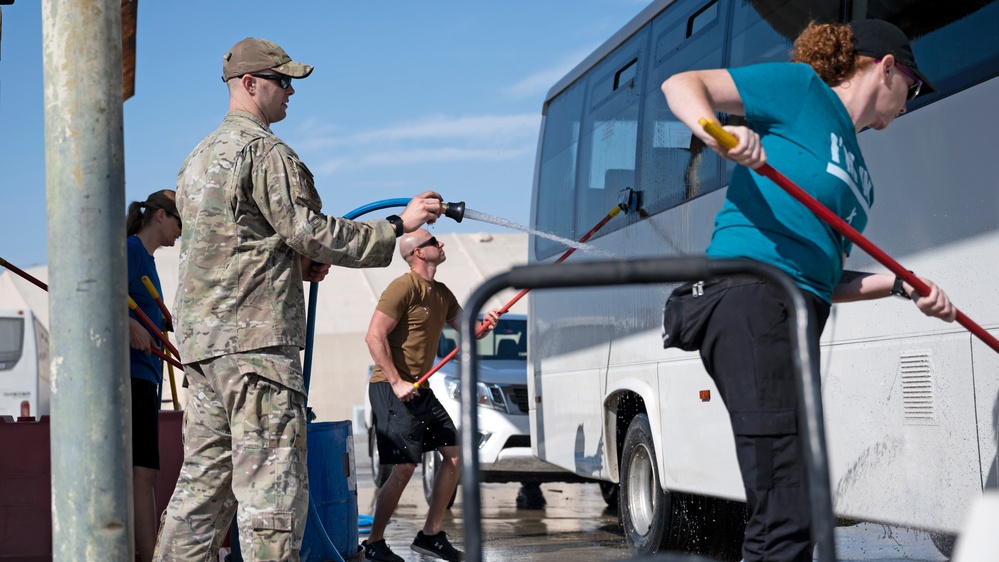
x=244, y=452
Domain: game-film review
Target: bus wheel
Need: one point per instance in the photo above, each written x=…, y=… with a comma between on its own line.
x=431, y=463
x=656, y=520
x=643, y=502
x=944, y=543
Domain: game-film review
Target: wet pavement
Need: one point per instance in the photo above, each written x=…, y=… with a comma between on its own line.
x=576, y=526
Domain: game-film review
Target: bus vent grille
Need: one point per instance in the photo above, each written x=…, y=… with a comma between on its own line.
x=918, y=395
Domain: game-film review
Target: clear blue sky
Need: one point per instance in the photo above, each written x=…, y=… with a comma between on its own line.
x=406, y=96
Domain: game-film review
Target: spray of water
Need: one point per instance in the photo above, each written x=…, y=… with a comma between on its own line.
x=484, y=217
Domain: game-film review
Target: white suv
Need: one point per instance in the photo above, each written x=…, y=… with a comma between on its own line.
x=504, y=427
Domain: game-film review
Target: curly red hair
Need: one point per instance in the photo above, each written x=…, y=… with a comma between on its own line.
x=828, y=49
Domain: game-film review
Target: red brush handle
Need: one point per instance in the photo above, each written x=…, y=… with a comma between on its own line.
x=152, y=327
x=167, y=358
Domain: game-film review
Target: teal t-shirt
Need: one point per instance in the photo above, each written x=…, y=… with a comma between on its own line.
x=809, y=137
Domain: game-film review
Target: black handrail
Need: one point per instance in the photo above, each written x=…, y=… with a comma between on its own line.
x=645, y=271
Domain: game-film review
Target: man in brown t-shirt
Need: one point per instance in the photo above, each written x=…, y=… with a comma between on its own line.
x=402, y=339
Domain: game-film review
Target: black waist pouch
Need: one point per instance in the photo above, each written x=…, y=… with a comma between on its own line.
x=685, y=316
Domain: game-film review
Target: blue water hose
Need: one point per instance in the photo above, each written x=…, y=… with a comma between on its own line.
x=310, y=322
x=310, y=333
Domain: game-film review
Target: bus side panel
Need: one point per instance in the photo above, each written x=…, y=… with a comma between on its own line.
x=903, y=443
x=575, y=333
x=698, y=452
x=694, y=446
x=576, y=412
x=935, y=211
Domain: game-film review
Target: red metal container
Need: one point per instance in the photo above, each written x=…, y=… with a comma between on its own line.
x=25, y=490
x=25, y=483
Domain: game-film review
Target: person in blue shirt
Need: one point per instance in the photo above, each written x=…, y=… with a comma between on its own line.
x=803, y=117
x=150, y=224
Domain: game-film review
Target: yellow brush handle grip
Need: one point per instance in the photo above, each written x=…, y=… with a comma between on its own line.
x=724, y=138
x=131, y=304
x=150, y=287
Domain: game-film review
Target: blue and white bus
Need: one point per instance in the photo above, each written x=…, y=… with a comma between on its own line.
x=24, y=364
x=912, y=403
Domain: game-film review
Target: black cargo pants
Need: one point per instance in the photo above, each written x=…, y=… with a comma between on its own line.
x=747, y=351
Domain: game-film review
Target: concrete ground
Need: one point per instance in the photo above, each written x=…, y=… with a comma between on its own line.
x=576, y=526
x=573, y=525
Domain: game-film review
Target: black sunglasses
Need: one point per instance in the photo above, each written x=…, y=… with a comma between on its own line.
x=282, y=80
x=179, y=222
x=917, y=84
x=432, y=241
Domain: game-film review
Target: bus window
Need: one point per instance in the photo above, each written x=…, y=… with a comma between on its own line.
x=676, y=165
x=609, y=140
x=955, y=50
x=557, y=174
x=11, y=342
x=763, y=30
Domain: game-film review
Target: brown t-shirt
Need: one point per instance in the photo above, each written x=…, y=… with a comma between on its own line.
x=421, y=308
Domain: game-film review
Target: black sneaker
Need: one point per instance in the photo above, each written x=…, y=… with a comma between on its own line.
x=437, y=546
x=378, y=551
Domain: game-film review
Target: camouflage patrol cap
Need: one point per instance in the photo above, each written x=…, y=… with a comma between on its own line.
x=254, y=55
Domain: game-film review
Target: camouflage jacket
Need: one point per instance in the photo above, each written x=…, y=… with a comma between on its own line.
x=250, y=209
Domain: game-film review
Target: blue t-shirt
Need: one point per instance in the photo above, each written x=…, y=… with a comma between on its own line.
x=142, y=366
x=809, y=137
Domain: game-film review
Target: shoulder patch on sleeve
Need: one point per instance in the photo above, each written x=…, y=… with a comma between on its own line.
x=302, y=184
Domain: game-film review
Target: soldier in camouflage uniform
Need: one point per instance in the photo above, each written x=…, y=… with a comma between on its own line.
x=255, y=232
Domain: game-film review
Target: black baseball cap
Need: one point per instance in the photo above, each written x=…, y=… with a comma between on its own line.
x=877, y=38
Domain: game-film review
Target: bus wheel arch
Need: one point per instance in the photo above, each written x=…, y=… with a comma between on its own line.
x=621, y=407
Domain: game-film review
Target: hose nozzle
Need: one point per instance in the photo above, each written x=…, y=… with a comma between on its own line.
x=454, y=211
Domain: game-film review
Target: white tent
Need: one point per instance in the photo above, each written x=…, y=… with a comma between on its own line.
x=347, y=298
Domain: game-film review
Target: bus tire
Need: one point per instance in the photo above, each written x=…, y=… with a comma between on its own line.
x=645, y=509
x=944, y=543
x=431, y=463
x=655, y=520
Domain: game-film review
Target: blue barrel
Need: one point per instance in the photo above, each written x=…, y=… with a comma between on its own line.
x=333, y=487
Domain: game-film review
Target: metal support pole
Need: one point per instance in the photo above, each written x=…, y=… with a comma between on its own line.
x=85, y=191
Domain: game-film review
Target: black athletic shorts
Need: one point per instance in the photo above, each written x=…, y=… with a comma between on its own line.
x=405, y=430
x=145, y=424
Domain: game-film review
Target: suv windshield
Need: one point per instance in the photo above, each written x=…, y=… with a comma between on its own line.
x=507, y=341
